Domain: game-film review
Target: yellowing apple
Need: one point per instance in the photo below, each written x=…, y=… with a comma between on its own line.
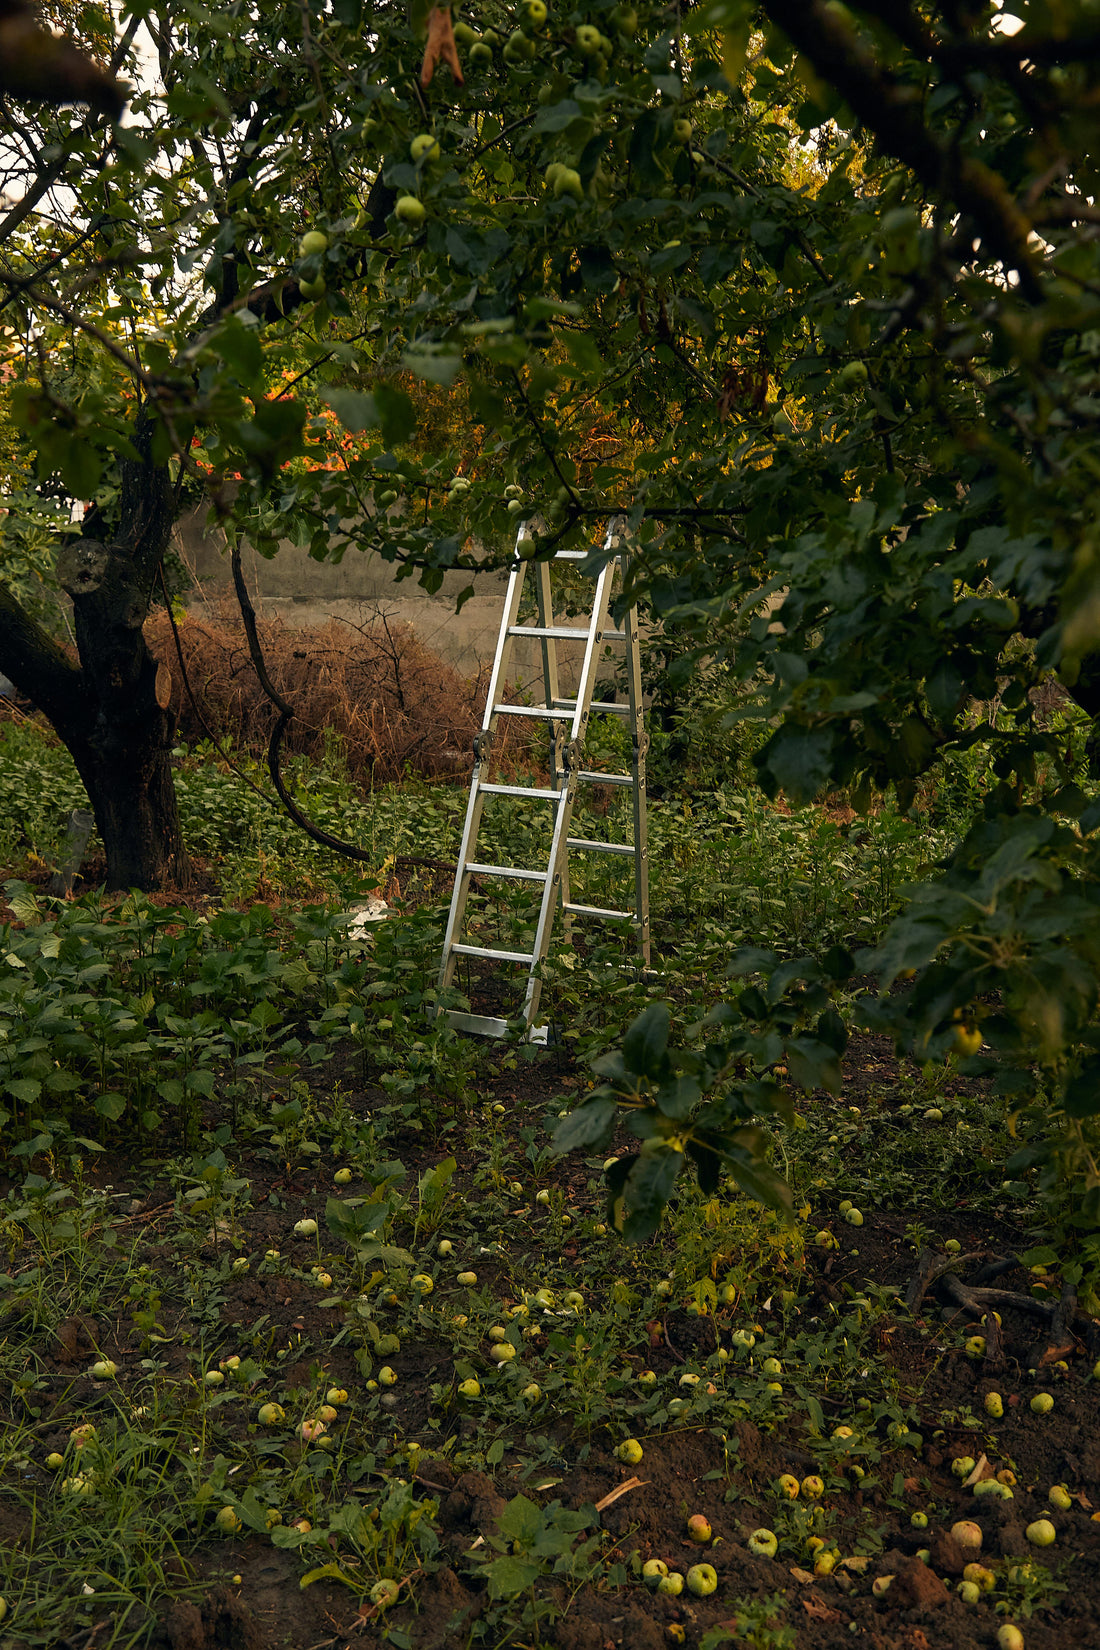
x=968, y=1040
x=425, y=147
x=702, y=1579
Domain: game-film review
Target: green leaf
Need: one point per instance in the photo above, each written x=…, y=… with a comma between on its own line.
x=646, y=1040
x=396, y=414
x=79, y=465
x=355, y=410
x=677, y=1099
x=647, y=1191
x=419, y=12
x=327, y=1572
x=521, y=1520
x=814, y=1065
x=815, y=1412
x=239, y=347
x=284, y=1535
x=589, y=1125
x=439, y=365
x=510, y=1576
x=1043, y=1255
x=24, y=1089
x=1082, y=1096
x=798, y=761
x=754, y=1176
x=110, y=1106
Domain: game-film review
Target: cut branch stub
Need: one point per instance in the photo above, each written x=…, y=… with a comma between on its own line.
x=82, y=567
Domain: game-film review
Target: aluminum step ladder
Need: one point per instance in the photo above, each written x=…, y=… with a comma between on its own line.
x=567, y=719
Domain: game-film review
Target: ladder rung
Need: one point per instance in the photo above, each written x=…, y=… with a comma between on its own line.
x=597, y=911
x=496, y=956
x=606, y=778
x=536, y=792
x=600, y=847
x=507, y=871
x=558, y=632
x=485, y=1025
x=605, y=707
x=531, y=710
x=614, y=635
x=571, y=555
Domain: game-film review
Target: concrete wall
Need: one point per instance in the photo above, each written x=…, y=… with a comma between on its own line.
x=301, y=591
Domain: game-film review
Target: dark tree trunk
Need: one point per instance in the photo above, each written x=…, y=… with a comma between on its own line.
x=122, y=752
x=107, y=710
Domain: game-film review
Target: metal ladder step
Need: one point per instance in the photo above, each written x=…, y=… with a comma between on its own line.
x=540, y=712
x=594, y=778
x=491, y=952
x=488, y=1025
x=587, y=847
x=506, y=871
x=598, y=911
x=537, y=793
x=560, y=632
x=603, y=707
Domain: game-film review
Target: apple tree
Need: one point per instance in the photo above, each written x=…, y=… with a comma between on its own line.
x=807, y=291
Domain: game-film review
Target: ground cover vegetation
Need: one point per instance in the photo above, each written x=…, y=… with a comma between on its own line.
x=808, y=294
x=364, y=1356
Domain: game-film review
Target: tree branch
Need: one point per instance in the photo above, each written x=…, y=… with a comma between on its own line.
x=892, y=111
x=55, y=170
x=39, y=667
x=286, y=715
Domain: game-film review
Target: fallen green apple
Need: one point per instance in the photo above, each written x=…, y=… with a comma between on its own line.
x=702, y=1579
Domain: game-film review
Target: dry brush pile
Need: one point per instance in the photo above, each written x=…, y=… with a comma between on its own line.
x=394, y=705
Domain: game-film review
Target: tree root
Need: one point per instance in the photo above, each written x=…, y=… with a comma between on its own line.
x=1060, y=1338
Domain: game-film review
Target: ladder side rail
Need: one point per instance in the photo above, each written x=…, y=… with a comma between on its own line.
x=549, y=647
x=503, y=652
x=482, y=750
x=599, y=622
x=551, y=894
x=552, y=685
x=639, y=748
x=586, y=681
x=461, y=891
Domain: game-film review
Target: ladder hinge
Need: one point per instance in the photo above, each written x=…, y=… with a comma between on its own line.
x=572, y=755
x=641, y=744
x=483, y=744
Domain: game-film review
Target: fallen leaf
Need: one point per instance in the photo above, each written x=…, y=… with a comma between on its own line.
x=818, y=1611
x=982, y=1470
x=623, y=1489
x=440, y=47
